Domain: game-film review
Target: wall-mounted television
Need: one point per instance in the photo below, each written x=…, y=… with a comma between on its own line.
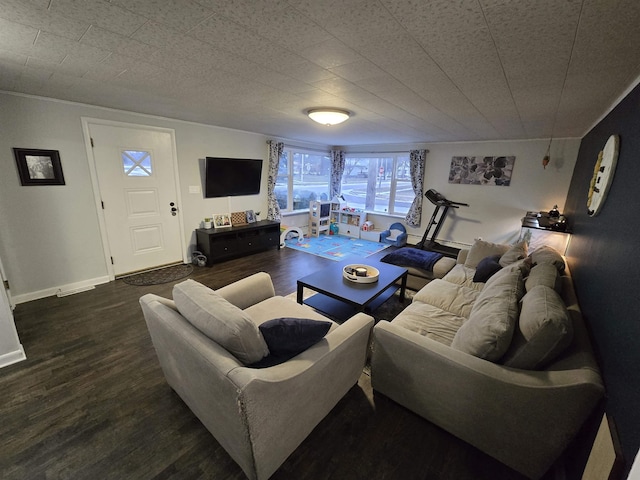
x=230, y=177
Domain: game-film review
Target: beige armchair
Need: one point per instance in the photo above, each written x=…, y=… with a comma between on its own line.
x=259, y=416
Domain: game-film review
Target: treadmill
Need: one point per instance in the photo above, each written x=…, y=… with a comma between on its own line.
x=442, y=207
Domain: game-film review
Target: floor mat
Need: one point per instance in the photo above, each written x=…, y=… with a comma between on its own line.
x=162, y=275
x=336, y=247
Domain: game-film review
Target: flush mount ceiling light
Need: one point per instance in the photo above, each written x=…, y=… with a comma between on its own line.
x=328, y=116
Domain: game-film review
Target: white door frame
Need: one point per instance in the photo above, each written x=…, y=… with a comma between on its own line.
x=86, y=122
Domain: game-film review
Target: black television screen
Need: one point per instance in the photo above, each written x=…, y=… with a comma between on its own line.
x=230, y=177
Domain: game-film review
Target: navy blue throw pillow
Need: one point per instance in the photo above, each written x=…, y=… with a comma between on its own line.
x=287, y=337
x=486, y=268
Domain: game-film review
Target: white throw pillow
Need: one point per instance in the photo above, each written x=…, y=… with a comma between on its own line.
x=488, y=332
x=544, y=330
x=516, y=252
x=481, y=249
x=547, y=254
x=220, y=320
x=544, y=274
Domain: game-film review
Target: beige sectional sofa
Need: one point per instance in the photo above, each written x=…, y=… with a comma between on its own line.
x=504, y=364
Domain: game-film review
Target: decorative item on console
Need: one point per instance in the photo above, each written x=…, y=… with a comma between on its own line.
x=221, y=220
x=239, y=218
x=208, y=223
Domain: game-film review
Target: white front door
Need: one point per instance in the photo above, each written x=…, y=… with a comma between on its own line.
x=135, y=170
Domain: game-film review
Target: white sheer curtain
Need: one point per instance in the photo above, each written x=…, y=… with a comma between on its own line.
x=417, y=160
x=337, y=169
x=275, y=153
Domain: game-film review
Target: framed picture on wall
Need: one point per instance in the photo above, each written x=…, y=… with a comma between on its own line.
x=221, y=220
x=38, y=167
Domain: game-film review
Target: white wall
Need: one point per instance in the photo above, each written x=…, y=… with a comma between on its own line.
x=49, y=235
x=495, y=213
x=50, y=238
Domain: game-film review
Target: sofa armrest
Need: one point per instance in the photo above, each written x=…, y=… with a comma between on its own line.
x=462, y=255
x=295, y=396
x=523, y=418
x=248, y=291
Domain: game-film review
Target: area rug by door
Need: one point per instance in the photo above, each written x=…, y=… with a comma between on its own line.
x=336, y=247
x=161, y=275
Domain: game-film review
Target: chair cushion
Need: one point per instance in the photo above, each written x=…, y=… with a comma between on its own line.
x=544, y=330
x=220, y=320
x=394, y=233
x=488, y=332
x=287, y=337
x=486, y=268
x=516, y=252
x=481, y=249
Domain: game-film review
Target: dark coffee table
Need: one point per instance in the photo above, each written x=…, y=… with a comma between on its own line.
x=341, y=298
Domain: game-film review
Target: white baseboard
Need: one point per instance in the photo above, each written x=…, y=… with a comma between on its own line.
x=12, y=357
x=61, y=290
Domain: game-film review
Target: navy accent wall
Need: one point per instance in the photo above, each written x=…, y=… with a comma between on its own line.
x=604, y=257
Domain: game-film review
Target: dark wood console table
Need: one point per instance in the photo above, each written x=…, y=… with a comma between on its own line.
x=219, y=244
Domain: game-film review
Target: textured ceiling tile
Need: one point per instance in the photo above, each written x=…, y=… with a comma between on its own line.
x=357, y=21
x=336, y=86
x=393, y=48
x=17, y=37
x=100, y=13
x=319, y=12
x=33, y=16
x=106, y=40
x=245, y=12
x=307, y=72
x=331, y=53
x=289, y=28
x=358, y=70
x=49, y=46
x=7, y=56
x=179, y=15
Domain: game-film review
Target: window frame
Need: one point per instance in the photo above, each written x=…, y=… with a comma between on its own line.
x=288, y=156
x=393, y=180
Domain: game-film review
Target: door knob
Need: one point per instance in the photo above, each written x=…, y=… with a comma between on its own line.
x=174, y=211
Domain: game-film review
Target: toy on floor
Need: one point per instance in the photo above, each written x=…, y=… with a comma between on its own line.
x=290, y=230
x=396, y=235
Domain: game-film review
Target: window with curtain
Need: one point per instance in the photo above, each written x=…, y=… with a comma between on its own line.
x=303, y=176
x=378, y=182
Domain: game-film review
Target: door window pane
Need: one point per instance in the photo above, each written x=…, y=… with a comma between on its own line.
x=136, y=163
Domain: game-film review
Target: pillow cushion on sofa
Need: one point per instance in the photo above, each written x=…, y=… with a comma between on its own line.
x=544, y=330
x=481, y=249
x=220, y=320
x=488, y=332
x=544, y=274
x=516, y=252
x=486, y=268
x=287, y=337
x=547, y=254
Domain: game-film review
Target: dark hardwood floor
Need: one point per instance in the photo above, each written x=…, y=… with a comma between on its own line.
x=90, y=402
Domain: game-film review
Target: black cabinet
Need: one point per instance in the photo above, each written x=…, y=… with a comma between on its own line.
x=219, y=244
